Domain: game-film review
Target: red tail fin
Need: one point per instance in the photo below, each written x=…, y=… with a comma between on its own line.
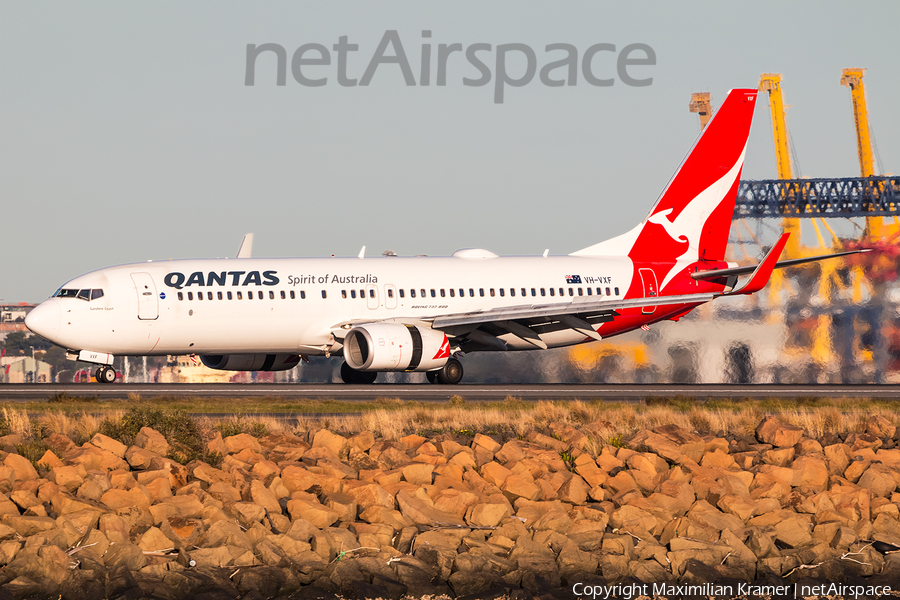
x=693, y=215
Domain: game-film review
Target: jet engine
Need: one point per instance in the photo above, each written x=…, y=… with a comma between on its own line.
x=250, y=362
x=395, y=347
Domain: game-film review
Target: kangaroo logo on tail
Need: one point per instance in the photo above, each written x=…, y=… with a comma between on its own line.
x=693, y=215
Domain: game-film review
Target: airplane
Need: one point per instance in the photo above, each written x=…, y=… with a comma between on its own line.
x=422, y=314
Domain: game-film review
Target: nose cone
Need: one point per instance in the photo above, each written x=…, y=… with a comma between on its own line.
x=44, y=320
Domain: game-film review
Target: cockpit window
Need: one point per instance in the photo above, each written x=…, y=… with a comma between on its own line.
x=87, y=295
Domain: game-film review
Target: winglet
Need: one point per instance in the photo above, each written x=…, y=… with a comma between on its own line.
x=763, y=272
x=246, y=248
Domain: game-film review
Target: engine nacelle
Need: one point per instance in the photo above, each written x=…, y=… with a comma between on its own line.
x=395, y=347
x=250, y=362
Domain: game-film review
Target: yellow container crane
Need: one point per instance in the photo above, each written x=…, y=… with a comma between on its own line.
x=771, y=83
x=853, y=79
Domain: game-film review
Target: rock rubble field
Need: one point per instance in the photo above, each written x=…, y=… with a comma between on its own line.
x=323, y=515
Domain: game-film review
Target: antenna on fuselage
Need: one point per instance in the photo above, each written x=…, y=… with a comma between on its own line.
x=246, y=248
x=362, y=253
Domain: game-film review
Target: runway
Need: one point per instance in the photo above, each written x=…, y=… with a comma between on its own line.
x=442, y=393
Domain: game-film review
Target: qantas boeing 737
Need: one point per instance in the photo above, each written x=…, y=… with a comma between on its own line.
x=419, y=314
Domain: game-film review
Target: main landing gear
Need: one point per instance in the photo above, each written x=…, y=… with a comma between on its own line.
x=105, y=374
x=351, y=375
x=450, y=374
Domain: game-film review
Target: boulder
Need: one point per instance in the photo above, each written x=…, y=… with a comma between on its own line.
x=880, y=427
x=107, y=443
x=332, y=441
x=772, y=431
x=671, y=443
x=152, y=440
x=22, y=469
x=879, y=480
x=419, y=512
x=242, y=441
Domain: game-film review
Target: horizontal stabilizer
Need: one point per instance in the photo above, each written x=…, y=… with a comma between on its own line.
x=779, y=265
x=763, y=271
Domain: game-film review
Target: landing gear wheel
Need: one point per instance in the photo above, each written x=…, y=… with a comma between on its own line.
x=431, y=376
x=351, y=375
x=105, y=375
x=451, y=373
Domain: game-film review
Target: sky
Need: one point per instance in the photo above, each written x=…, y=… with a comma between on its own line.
x=128, y=133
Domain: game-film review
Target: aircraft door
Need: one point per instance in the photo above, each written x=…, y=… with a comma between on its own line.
x=390, y=296
x=372, y=296
x=148, y=303
x=648, y=277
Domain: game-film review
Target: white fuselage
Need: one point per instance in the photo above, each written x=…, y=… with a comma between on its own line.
x=220, y=306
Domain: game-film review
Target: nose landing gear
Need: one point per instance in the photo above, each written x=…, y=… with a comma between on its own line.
x=105, y=374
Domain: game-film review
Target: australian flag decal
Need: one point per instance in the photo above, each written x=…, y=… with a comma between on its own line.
x=573, y=278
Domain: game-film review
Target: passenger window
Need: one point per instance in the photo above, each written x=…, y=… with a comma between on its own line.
x=552, y=291
x=561, y=293
x=228, y=295
x=512, y=291
x=580, y=292
x=282, y=295
x=492, y=292
x=401, y=292
x=240, y=295
x=249, y=295
x=524, y=292
x=390, y=293
x=443, y=293
x=533, y=292
x=302, y=294
x=422, y=292
x=452, y=293
x=481, y=292
x=362, y=293
x=462, y=293
x=219, y=295
x=293, y=295
x=96, y=294
x=599, y=292
x=180, y=296
x=209, y=296
x=472, y=293
x=260, y=295
x=190, y=295
x=199, y=295
x=371, y=293
x=502, y=292
x=607, y=292
x=412, y=293
x=433, y=295
x=344, y=294
x=617, y=291
x=271, y=295
x=353, y=293
x=324, y=294
x=589, y=291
